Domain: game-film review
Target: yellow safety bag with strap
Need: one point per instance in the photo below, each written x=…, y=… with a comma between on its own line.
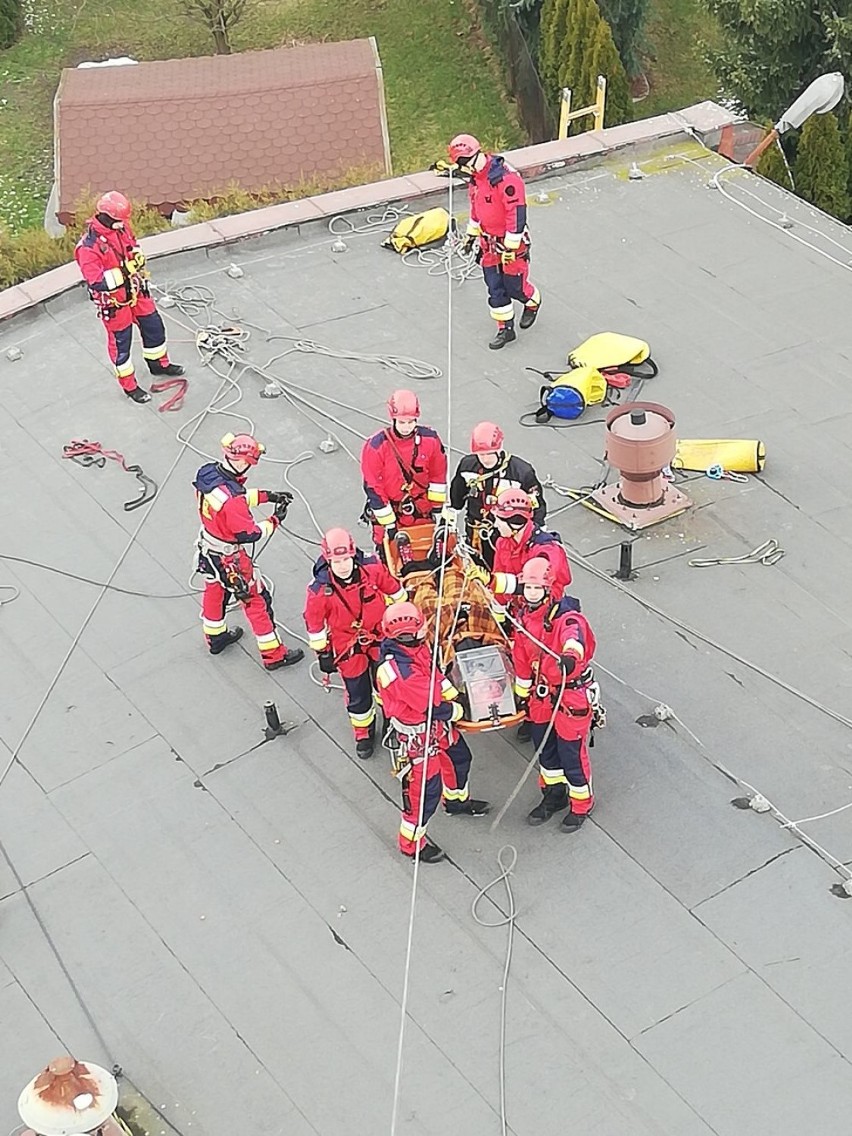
x=420, y=230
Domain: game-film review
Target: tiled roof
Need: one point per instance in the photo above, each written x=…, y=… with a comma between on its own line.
x=180, y=129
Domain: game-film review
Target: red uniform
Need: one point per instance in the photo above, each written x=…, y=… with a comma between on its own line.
x=511, y=555
x=407, y=688
x=112, y=264
x=344, y=618
x=564, y=760
x=498, y=217
x=405, y=479
x=227, y=527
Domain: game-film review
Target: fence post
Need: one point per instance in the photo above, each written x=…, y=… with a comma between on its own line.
x=564, y=113
x=600, y=102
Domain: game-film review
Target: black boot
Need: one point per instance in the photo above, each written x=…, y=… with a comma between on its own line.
x=429, y=854
x=530, y=315
x=218, y=643
x=552, y=801
x=172, y=369
x=524, y=732
x=505, y=334
x=469, y=808
x=573, y=821
x=364, y=747
x=295, y=655
x=138, y=394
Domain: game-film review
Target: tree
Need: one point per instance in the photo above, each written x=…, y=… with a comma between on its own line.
x=772, y=165
x=218, y=16
x=11, y=22
x=627, y=20
x=771, y=49
x=574, y=72
x=821, y=170
x=554, y=34
x=605, y=60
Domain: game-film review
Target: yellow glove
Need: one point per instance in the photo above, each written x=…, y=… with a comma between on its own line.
x=458, y=712
x=508, y=256
x=476, y=572
x=136, y=261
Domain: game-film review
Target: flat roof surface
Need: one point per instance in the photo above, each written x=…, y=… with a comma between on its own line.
x=234, y=914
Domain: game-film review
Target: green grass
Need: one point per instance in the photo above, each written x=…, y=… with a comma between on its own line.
x=674, y=65
x=438, y=77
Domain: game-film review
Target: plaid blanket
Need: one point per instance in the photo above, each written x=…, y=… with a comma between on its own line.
x=464, y=610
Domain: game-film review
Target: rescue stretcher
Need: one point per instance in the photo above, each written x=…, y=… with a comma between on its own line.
x=472, y=647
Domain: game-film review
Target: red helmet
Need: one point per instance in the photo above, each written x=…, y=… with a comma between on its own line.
x=463, y=146
x=487, y=438
x=243, y=447
x=512, y=502
x=402, y=619
x=337, y=543
x=403, y=404
x=115, y=205
x=538, y=572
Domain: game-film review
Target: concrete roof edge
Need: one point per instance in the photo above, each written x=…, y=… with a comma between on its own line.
x=532, y=161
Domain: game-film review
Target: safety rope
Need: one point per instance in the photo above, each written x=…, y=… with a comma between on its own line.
x=173, y=402
x=433, y=672
x=770, y=552
x=507, y=920
x=86, y=453
x=384, y=222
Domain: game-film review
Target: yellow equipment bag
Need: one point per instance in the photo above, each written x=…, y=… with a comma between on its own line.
x=733, y=455
x=422, y=229
x=610, y=351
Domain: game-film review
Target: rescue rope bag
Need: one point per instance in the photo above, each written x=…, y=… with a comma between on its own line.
x=418, y=231
x=602, y=362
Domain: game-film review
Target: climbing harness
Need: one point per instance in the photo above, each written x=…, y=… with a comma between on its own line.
x=86, y=453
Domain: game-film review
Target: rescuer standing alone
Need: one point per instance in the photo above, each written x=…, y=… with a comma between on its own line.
x=113, y=266
x=228, y=530
x=498, y=221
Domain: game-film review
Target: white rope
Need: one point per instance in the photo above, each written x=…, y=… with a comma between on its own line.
x=384, y=222
x=436, y=645
x=507, y=920
x=104, y=589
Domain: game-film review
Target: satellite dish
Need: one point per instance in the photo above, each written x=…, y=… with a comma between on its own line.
x=820, y=97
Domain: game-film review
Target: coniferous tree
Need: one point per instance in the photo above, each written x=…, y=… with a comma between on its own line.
x=574, y=72
x=554, y=35
x=605, y=60
x=821, y=169
x=771, y=165
x=627, y=20
x=771, y=49
x=11, y=22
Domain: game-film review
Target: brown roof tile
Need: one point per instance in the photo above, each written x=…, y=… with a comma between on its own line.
x=187, y=128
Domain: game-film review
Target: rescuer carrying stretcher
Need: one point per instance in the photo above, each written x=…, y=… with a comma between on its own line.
x=433, y=759
x=344, y=607
x=553, y=649
x=227, y=530
x=478, y=481
x=404, y=468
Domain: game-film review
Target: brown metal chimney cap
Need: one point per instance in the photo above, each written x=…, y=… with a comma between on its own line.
x=69, y=1096
x=657, y=421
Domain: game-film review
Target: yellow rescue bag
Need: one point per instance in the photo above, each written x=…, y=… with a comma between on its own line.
x=422, y=229
x=609, y=350
x=735, y=455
